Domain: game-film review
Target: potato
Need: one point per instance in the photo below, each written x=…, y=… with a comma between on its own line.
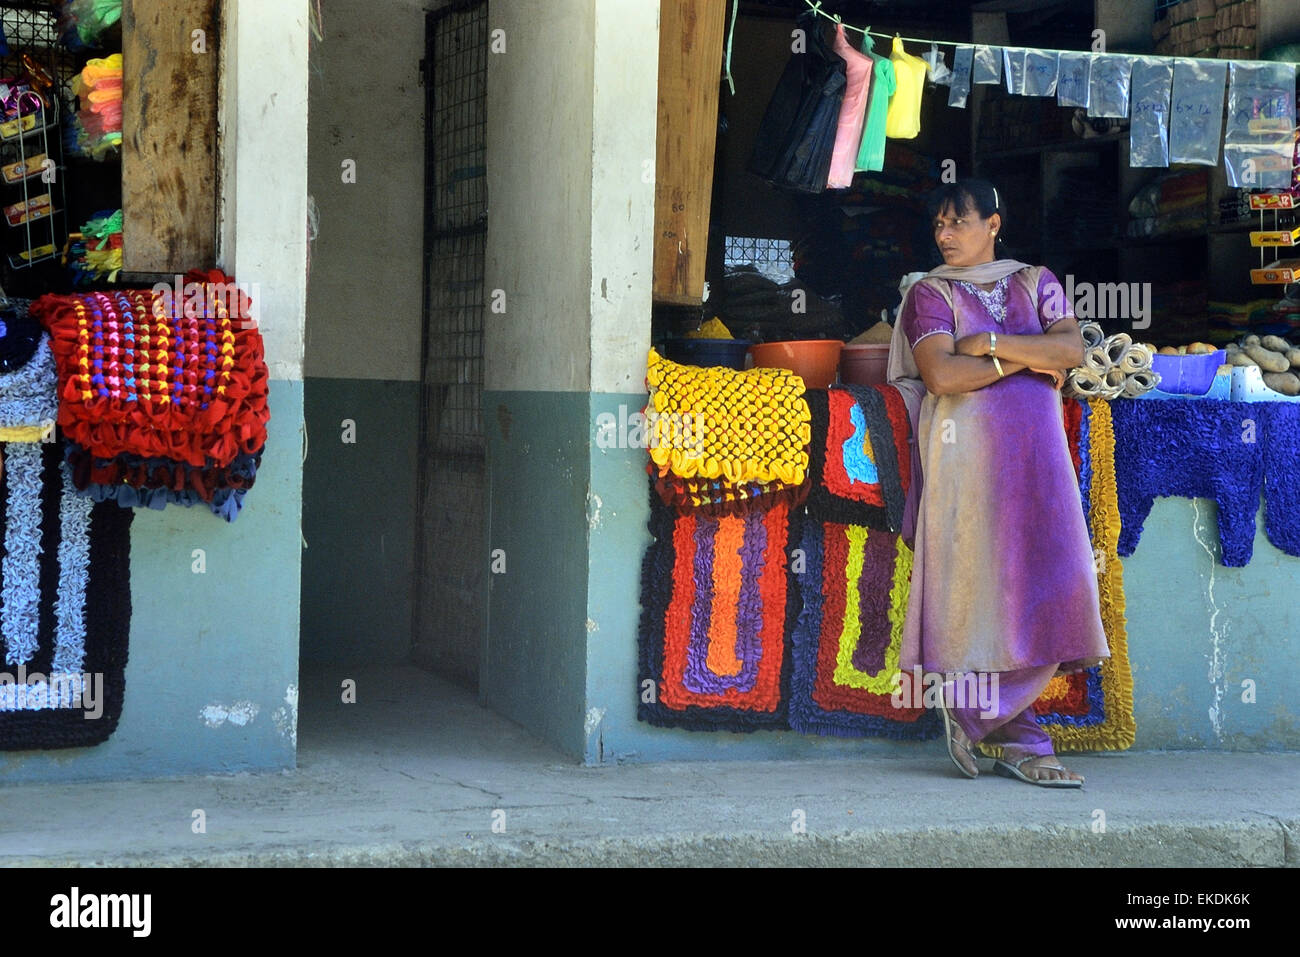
x=1182, y=350
x=1268, y=360
x=1241, y=359
x=1294, y=358
x=1232, y=347
x=1276, y=343
x=1166, y=351
x=1200, y=349
x=1250, y=341
x=1288, y=383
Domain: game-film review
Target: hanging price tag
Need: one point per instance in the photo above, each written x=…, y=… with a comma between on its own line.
x=1272, y=201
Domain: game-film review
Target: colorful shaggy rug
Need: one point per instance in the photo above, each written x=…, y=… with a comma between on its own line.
x=716, y=607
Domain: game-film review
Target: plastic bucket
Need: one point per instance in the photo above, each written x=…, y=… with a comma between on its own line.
x=865, y=364
x=729, y=353
x=816, y=361
x=1187, y=375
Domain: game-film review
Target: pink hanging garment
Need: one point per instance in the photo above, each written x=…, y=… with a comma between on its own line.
x=853, y=113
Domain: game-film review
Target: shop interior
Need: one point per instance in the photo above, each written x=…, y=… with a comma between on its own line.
x=1074, y=202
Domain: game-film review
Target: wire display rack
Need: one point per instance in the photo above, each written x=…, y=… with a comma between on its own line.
x=31, y=144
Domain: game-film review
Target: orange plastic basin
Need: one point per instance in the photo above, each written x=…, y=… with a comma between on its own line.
x=816, y=361
x=865, y=364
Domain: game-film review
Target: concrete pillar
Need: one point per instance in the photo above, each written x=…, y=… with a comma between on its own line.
x=212, y=675
x=571, y=127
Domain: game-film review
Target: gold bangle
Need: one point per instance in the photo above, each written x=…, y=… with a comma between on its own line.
x=997, y=365
x=993, y=345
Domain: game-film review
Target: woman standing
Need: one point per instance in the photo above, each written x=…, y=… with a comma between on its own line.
x=1004, y=589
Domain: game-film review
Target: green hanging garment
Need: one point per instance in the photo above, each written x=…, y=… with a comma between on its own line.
x=871, y=154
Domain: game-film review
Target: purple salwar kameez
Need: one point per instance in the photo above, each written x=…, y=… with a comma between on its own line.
x=1003, y=576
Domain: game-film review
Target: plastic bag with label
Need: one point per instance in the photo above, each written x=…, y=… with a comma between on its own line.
x=1108, y=85
x=1041, y=67
x=1072, y=79
x=1148, y=135
x=1196, y=112
x=1258, y=143
x=959, y=88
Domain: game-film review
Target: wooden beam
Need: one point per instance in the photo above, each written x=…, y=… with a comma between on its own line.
x=690, y=65
x=169, y=134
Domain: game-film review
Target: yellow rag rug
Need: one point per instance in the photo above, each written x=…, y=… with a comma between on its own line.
x=717, y=423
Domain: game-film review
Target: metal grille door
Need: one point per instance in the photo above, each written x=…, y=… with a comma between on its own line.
x=451, y=553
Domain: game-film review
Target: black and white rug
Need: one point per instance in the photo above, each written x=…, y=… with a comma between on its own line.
x=65, y=605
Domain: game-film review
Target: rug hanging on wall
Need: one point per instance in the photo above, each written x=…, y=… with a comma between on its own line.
x=854, y=585
x=65, y=605
x=1093, y=710
x=860, y=461
x=716, y=608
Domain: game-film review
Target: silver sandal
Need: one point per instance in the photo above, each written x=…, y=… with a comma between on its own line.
x=948, y=725
x=1012, y=770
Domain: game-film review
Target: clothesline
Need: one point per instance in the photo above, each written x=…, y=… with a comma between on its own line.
x=807, y=144
x=815, y=7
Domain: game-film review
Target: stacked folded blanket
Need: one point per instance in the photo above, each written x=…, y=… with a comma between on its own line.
x=160, y=407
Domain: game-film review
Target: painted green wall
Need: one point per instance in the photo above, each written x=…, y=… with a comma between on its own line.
x=1198, y=630
x=224, y=638
x=358, y=521
x=534, y=663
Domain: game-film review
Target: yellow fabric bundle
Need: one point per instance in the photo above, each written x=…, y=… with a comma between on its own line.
x=717, y=423
x=713, y=329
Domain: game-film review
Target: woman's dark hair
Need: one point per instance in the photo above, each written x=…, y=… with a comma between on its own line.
x=965, y=196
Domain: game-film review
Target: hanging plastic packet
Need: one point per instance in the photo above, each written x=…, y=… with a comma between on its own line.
x=986, y=66
x=1258, y=145
x=1148, y=134
x=1108, y=85
x=1072, y=79
x=1041, y=67
x=1013, y=69
x=939, y=72
x=959, y=88
x=1196, y=113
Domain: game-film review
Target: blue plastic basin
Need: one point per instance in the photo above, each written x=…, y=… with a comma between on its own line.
x=1188, y=375
x=729, y=353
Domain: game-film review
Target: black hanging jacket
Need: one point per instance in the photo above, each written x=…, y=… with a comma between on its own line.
x=797, y=135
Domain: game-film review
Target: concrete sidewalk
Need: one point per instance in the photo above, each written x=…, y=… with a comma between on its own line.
x=418, y=774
